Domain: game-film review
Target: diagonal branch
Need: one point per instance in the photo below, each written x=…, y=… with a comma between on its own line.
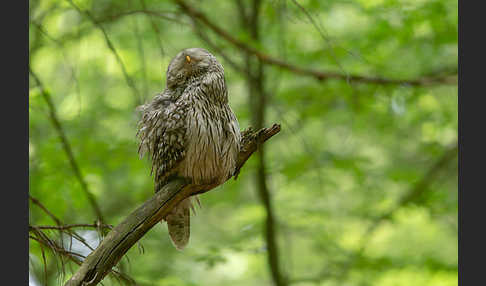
x=61, y=45
x=409, y=197
x=317, y=74
x=66, y=146
x=140, y=221
x=417, y=190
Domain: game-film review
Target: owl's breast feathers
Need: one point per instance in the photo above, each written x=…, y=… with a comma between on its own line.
x=213, y=134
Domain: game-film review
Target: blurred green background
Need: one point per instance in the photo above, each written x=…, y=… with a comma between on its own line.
x=362, y=178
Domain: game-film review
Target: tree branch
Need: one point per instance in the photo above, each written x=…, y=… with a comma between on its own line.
x=122, y=237
x=319, y=75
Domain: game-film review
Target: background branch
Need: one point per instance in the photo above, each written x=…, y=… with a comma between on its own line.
x=151, y=13
x=254, y=76
x=66, y=146
x=417, y=190
x=319, y=75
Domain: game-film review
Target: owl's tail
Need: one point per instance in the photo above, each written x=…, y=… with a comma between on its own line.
x=179, y=223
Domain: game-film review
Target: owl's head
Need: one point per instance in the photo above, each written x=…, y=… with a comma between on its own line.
x=189, y=63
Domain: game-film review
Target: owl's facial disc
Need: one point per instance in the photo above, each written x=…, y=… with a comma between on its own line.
x=194, y=61
x=187, y=63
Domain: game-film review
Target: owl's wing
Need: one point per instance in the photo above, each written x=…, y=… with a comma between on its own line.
x=162, y=131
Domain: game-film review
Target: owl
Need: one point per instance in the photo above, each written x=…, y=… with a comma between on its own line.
x=190, y=131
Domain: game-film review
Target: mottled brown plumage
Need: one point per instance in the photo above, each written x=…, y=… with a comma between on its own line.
x=189, y=130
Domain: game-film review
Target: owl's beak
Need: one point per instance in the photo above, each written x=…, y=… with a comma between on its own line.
x=188, y=59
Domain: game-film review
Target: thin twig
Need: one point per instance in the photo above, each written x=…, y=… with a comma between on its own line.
x=75, y=257
x=42, y=207
x=141, y=53
x=324, y=37
x=69, y=226
x=155, y=28
x=69, y=231
x=110, y=45
x=57, y=248
x=151, y=13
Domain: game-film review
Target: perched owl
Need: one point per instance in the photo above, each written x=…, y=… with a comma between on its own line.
x=189, y=130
